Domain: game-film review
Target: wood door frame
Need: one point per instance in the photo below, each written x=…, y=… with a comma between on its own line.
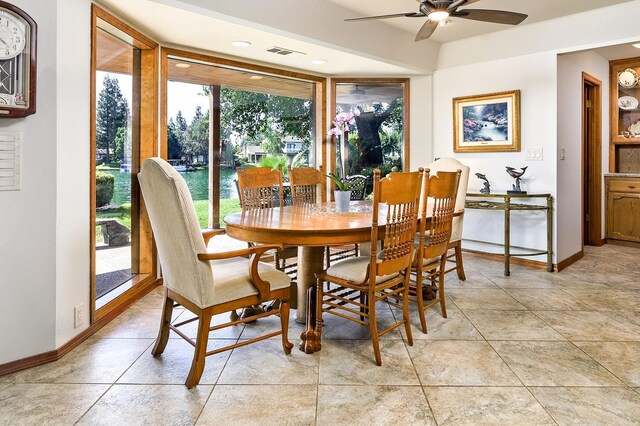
x=148, y=127
x=591, y=165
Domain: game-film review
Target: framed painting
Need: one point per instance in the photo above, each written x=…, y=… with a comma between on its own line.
x=487, y=123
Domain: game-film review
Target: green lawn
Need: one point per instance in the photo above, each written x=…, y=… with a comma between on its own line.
x=123, y=213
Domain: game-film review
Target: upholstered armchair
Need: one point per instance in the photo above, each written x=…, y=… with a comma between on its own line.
x=204, y=283
x=449, y=164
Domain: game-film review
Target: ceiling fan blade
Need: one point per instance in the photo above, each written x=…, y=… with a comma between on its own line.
x=458, y=3
x=426, y=30
x=393, y=15
x=488, y=15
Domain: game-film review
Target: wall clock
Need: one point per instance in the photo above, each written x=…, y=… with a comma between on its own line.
x=18, y=33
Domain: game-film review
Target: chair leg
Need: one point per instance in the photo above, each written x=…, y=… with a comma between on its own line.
x=405, y=309
x=373, y=326
x=163, y=333
x=319, y=297
x=443, y=306
x=284, y=323
x=459, y=265
x=200, y=352
x=421, y=314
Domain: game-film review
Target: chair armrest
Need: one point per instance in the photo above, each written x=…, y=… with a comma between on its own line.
x=207, y=234
x=264, y=288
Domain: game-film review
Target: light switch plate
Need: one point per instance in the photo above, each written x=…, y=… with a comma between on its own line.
x=10, y=147
x=533, y=154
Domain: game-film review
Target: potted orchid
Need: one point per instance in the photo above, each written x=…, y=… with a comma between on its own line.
x=340, y=130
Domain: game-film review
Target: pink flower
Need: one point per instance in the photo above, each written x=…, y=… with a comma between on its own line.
x=341, y=122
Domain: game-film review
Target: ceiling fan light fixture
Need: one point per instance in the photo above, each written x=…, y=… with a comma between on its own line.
x=636, y=45
x=240, y=43
x=444, y=22
x=438, y=15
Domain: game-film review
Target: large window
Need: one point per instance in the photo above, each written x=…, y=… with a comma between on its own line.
x=380, y=136
x=222, y=114
x=123, y=133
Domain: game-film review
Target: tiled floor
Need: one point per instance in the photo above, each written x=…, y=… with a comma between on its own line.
x=533, y=348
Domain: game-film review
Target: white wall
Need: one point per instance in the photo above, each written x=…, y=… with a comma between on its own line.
x=28, y=217
x=73, y=114
x=570, y=68
x=421, y=122
x=535, y=77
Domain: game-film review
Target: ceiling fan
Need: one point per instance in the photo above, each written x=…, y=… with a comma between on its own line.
x=437, y=11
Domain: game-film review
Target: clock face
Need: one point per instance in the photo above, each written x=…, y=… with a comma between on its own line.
x=12, y=36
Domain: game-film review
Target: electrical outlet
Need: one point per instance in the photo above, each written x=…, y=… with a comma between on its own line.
x=534, y=154
x=78, y=318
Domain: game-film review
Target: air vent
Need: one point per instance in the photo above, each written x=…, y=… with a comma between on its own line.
x=283, y=51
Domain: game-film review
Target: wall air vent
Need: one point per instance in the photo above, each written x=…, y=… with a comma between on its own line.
x=283, y=51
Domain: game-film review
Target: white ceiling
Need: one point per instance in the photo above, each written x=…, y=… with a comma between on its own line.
x=538, y=10
x=317, y=29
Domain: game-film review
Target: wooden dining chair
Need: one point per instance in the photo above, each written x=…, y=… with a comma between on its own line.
x=433, y=242
x=307, y=185
x=364, y=281
x=454, y=252
x=204, y=283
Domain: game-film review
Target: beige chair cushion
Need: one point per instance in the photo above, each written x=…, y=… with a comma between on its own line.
x=231, y=279
x=355, y=269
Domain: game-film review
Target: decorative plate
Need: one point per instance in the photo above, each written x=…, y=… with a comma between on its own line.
x=628, y=78
x=627, y=102
x=634, y=129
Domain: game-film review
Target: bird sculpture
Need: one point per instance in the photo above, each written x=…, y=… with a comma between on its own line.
x=487, y=187
x=514, y=173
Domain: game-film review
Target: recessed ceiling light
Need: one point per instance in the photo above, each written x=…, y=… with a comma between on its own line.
x=240, y=43
x=319, y=61
x=182, y=65
x=636, y=45
x=256, y=77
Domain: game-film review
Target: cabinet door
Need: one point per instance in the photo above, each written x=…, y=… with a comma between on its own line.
x=623, y=222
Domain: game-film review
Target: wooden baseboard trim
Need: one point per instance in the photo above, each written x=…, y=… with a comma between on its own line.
x=623, y=243
x=47, y=357
x=570, y=260
x=512, y=260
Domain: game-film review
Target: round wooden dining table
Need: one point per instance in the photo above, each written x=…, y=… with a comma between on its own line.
x=311, y=227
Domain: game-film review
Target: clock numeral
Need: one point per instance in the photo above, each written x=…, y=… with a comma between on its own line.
x=6, y=52
x=17, y=39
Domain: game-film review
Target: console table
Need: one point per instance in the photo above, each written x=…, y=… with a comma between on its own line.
x=476, y=200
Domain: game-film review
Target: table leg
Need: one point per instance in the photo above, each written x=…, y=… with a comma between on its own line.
x=549, y=234
x=310, y=262
x=507, y=235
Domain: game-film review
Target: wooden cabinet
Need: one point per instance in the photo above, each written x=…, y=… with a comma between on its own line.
x=624, y=148
x=623, y=208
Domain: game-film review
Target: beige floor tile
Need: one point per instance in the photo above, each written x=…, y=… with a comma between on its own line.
x=191, y=329
x=153, y=300
x=485, y=406
x=481, y=298
x=455, y=327
x=475, y=279
x=337, y=328
x=621, y=358
x=46, y=404
x=260, y=405
x=548, y=300
x=459, y=363
x=524, y=279
x=148, y=405
x=511, y=325
x=134, y=323
x=553, y=364
x=585, y=326
x=373, y=405
x=94, y=361
x=351, y=362
x=271, y=324
x=265, y=362
x=172, y=367
x=593, y=406
x=607, y=299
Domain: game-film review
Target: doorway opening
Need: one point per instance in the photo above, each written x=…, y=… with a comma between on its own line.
x=591, y=161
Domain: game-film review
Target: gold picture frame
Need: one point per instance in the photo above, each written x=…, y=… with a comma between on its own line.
x=487, y=123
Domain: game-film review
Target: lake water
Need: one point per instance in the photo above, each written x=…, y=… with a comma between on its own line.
x=197, y=181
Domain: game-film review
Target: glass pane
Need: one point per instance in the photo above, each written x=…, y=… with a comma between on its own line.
x=117, y=143
x=263, y=120
x=376, y=136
